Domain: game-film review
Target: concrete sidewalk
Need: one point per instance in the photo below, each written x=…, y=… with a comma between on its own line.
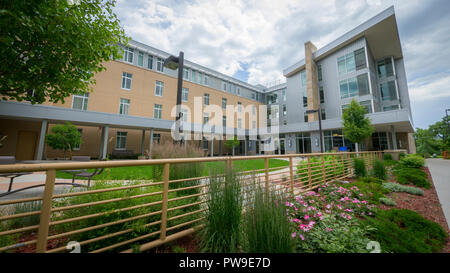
x=440, y=172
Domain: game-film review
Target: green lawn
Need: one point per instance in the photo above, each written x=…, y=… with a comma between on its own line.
x=146, y=172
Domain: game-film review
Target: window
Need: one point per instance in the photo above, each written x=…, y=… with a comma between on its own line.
x=388, y=91
x=206, y=99
x=254, y=124
x=319, y=72
x=305, y=117
x=159, y=89
x=390, y=107
x=253, y=110
x=385, y=68
x=199, y=78
x=157, y=138
x=121, y=140
x=238, y=90
x=141, y=59
x=157, y=111
x=150, y=62
x=229, y=88
x=205, y=80
x=363, y=84
x=283, y=94
x=124, y=106
x=224, y=121
x=80, y=102
x=126, y=80
x=368, y=105
x=303, y=78
x=323, y=115
x=205, y=144
x=284, y=122
x=348, y=88
x=224, y=103
x=253, y=96
x=184, y=94
x=205, y=118
x=194, y=76
x=185, y=74
x=128, y=55
x=239, y=123
x=305, y=98
x=159, y=65
x=360, y=58
x=77, y=147
x=284, y=110
x=239, y=105
x=224, y=86
x=184, y=115
x=321, y=95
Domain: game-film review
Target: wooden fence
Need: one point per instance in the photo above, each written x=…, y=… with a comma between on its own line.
x=142, y=215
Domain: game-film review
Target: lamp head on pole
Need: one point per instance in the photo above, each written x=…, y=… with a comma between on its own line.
x=171, y=62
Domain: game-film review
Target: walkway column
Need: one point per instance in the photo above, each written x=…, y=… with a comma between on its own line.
x=143, y=143
x=388, y=137
x=394, y=138
x=151, y=143
x=105, y=141
x=212, y=146
x=260, y=147
x=42, y=140
x=245, y=146
x=279, y=147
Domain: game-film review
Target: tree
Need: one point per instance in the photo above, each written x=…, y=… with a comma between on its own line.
x=232, y=144
x=426, y=142
x=357, y=126
x=64, y=137
x=51, y=49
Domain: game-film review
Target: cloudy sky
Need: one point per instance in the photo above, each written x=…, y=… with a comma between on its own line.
x=255, y=40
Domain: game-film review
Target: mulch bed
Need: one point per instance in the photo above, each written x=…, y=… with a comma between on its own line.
x=427, y=205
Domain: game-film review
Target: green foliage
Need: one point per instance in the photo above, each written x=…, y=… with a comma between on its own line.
x=405, y=231
x=389, y=163
x=64, y=137
x=379, y=170
x=387, y=157
x=222, y=232
x=359, y=166
x=342, y=237
x=394, y=187
x=387, y=201
x=427, y=142
x=229, y=142
x=369, y=179
x=372, y=192
x=411, y=176
x=267, y=229
x=412, y=161
x=54, y=49
x=356, y=126
x=401, y=155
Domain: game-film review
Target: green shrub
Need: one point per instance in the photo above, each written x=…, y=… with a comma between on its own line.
x=369, y=179
x=412, y=176
x=387, y=157
x=267, y=229
x=405, y=231
x=379, y=170
x=412, y=161
x=389, y=163
x=372, y=191
x=387, y=201
x=401, y=155
x=222, y=231
x=394, y=187
x=359, y=165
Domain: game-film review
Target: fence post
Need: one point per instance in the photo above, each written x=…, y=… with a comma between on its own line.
x=309, y=171
x=323, y=169
x=334, y=167
x=165, y=198
x=291, y=172
x=44, y=221
x=266, y=166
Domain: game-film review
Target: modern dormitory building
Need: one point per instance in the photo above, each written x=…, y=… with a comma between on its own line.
x=130, y=107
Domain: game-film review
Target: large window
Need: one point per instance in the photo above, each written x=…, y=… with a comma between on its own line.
x=206, y=99
x=334, y=139
x=388, y=91
x=385, y=68
x=391, y=107
x=321, y=95
x=305, y=98
x=121, y=140
x=80, y=102
x=141, y=59
x=367, y=104
x=124, y=107
x=160, y=64
x=184, y=94
x=185, y=74
x=157, y=111
x=128, y=54
x=159, y=89
x=283, y=94
x=319, y=72
x=224, y=103
x=353, y=61
x=126, y=80
x=303, y=143
x=205, y=80
x=303, y=78
x=194, y=76
x=379, y=140
x=199, y=78
x=354, y=86
x=150, y=62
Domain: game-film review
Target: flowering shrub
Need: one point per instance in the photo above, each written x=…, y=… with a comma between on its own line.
x=332, y=213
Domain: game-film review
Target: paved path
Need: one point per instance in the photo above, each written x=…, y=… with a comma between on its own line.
x=440, y=172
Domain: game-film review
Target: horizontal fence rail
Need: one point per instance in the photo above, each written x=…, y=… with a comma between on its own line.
x=127, y=216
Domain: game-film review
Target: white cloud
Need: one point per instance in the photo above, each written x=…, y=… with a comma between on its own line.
x=431, y=87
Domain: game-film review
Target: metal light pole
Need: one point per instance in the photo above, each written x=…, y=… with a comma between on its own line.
x=448, y=124
x=173, y=63
x=319, y=111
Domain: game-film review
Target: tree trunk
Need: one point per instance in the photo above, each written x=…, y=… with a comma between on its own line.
x=356, y=147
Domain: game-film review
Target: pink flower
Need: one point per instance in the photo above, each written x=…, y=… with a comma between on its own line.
x=294, y=234
x=301, y=236
x=306, y=216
